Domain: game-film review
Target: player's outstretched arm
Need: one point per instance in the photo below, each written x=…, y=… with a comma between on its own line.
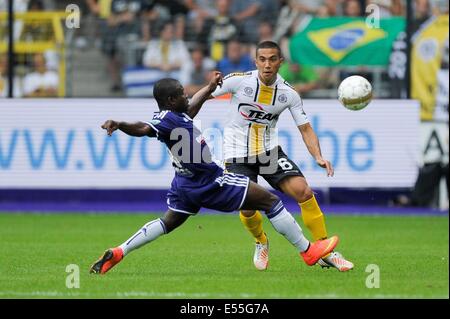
x=312, y=143
x=134, y=129
x=204, y=94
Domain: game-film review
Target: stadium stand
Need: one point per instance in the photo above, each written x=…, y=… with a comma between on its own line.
x=112, y=39
x=37, y=32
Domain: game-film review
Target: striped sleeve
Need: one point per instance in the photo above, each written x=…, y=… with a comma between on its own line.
x=230, y=84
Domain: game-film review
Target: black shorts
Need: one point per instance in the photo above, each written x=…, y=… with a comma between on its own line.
x=273, y=167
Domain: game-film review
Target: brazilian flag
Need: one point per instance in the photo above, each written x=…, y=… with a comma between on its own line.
x=345, y=41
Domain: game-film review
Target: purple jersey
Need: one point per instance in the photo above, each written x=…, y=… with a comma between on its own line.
x=191, y=157
x=198, y=182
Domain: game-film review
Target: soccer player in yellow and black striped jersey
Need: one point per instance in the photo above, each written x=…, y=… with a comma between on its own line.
x=250, y=145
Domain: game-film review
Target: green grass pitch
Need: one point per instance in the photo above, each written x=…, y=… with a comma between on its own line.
x=210, y=256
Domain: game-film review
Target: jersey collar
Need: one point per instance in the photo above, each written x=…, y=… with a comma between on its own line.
x=273, y=84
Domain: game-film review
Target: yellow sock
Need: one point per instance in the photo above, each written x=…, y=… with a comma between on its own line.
x=254, y=226
x=313, y=218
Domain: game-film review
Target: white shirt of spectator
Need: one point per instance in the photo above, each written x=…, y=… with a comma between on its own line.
x=35, y=80
x=4, y=87
x=19, y=6
x=177, y=53
x=256, y=109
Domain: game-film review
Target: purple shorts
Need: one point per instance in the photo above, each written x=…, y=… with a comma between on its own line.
x=225, y=193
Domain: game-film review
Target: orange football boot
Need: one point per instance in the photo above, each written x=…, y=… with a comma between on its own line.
x=319, y=249
x=109, y=259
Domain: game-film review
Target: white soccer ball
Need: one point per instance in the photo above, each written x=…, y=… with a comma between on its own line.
x=355, y=92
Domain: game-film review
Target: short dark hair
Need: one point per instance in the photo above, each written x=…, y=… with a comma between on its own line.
x=269, y=45
x=164, y=89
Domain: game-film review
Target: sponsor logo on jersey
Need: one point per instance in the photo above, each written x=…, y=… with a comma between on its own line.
x=255, y=113
x=248, y=91
x=282, y=98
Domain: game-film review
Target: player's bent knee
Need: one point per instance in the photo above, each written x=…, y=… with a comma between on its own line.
x=168, y=226
x=172, y=220
x=307, y=194
x=303, y=194
x=248, y=213
x=272, y=199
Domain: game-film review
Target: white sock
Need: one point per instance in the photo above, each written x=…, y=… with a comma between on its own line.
x=287, y=226
x=146, y=234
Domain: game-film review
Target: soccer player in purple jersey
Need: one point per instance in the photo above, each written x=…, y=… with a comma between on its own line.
x=199, y=181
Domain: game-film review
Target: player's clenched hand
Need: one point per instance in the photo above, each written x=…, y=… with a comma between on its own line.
x=110, y=126
x=327, y=165
x=216, y=80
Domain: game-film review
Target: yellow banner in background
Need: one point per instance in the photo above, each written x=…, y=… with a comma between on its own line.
x=426, y=57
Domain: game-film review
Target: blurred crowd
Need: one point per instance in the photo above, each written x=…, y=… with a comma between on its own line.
x=187, y=39
x=36, y=73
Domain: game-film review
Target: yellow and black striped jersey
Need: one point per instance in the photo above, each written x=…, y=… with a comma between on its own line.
x=252, y=128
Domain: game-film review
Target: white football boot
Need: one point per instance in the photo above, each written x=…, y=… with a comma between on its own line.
x=261, y=256
x=337, y=261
